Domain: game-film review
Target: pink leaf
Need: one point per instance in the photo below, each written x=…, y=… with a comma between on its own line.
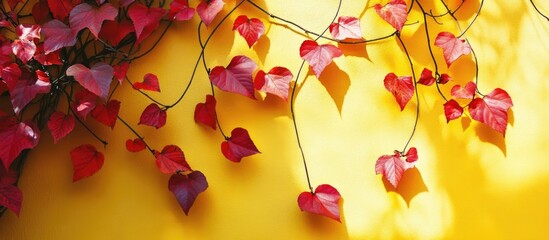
x=180, y=10
x=324, y=201
x=150, y=82
x=467, y=92
x=392, y=167
x=276, y=82
x=108, y=113
x=237, y=77
x=205, y=112
x=27, y=32
x=24, y=47
x=84, y=103
x=135, y=145
x=153, y=116
x=60, y=125
x=426, y=78
x=171, y=160
x=452, y=110
x=186, y=188
x=25, y=89
x=86, y=16
x=249, y=29
x=492, y=109
x=97, y=79
x=239, y=145
x=57, y=35
x=208, y=9
x=11, y=197
x=318, y=56
x=145, y=20
x=395, y=13
x=402, y=88
x=452, y=47
x=16, y=136
x=86, y=161
x=346, y=28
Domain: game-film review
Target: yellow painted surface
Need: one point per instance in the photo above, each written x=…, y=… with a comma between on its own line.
x=470, y=182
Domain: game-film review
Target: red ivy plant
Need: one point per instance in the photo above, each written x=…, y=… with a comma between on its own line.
x=78, y=52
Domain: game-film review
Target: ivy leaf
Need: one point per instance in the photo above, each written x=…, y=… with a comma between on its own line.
x=86, y=16
x=60, y=9
x=120, y=70
x=11, y=197
x=114, y=31
x=492, y=109
x=324, y=201
x=180, y=10
x=452, y=47
x=135, y=145
x=276, y=82
x=153, y=116
x=107, y=113
x=452, y=110
x=171, y=160
x=208, y=9
x=60, y=125
x=145, y=20
x=86, y=161
x=25, y=89
x=467, y=92
x=402, y=88
x=239, y=145
x=57, y=35
x=395, y=13
x=249, y=29
x=205, y=112
x=392, y=167
x=237, y=77
x=187, y=187
x=150, y=82
x=346, y=27
x=84, y=103
x=16, y=136
x=426, y=78
x=318, y=56
x=97, y=79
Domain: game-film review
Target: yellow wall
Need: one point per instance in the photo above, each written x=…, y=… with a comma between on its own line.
x=469, y=182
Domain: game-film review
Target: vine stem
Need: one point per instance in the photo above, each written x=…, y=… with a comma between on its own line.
x=539, y=11
x=136, y=134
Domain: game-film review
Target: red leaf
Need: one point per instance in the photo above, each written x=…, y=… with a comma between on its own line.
x=11, y=75
x=97, y=79
x=25, y=89
x=394, y=12
x=40, y=11
x=467, y=92
x=150, y=82
x=7, y=177
x=426, y=78
x=187, y=187
x=24, y=47
x=392, y=167
x=113, y=31
x=492, y=109
x=239, y=145
x=276, y=82
x=49, y=59
x=120, y=71
x=108, y=113
x=324, y=201
x=86, y=16
x=444, y=78
x=205, y=112
x=27, y=32
x=346, y=28
x=61, y=8
x=171, y=160
x=57, y=35
x=452, y=110
x=452, y=47
x=145, y=20
x=60, y=125
x=411, y=155
x=180, y=10
x=402, y=88
x=84, y=103
x=237, y=77
x=136, y=145
x=16, y=136
x=86, y=161
x=318, y=56
x=11, y=197
x=249, y=29
x=208, y=9
x=153, y=116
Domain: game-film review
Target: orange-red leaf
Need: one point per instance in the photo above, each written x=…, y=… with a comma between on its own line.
x=86, y=161
x=324, y=201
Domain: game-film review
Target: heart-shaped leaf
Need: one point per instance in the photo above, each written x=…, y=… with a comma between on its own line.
x=145, y=20
x=249, y=29
x=57, y=35
x=135, y=145
x=150, y=82
x=467, y=92
x=97, y=79
x=187, y=187
x=452, y=47
x=276, y=82
x=402, y=88
x=180, y=10
x=114, y=31
x=107, y=113
x=318, y=56
x=492, y=109
x=60, y=9
x=208, y=9
x=239, y=145
x=16, y=136
x=426, y=78
x=60, y=125
x=171, y=160
x=324, y=201
x=120, y=70
x=237, y=77
x=85, y=16
x=205, y=112
x=346, y=27
x=452, y=110
x=25, y=89
x=392, y=167
x=153, y=116
x=394, y=12
x=11, y=197
x=84, y=102
x=86, y=161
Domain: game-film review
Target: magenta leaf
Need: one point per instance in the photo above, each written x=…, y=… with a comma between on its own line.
x=276, y=82
x=97, y=79
x=324, y=201
x=57, y=35
x=86, y=16
x=205, y=112
x=186, y=188
x=208, y=9
x=16, y=136
x=180, y=10
x=452, y=110
x=237, y=77
x=153, y=116
x=318, y=56
x=238, y=145
x=145, y=20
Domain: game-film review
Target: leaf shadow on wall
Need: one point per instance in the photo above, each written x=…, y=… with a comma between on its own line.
x=410, y=185
x=357, y=50
x=336, y=82
x=489, y=135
